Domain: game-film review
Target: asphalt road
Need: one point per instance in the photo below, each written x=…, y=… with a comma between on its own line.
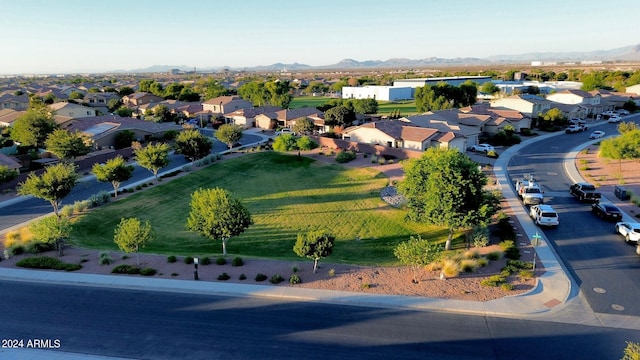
x=607, y=269
x=31, y=208
x=158, y=325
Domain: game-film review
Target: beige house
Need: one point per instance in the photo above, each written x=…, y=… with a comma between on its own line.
x=71, y=110
x=588, y=104
x=10, y=162
x=14, y=102
x=403, y=135
x=8, y=116
x=248, y=117
x=225, y=104
x=287, y=117
x=528, y=105
x=447, y=122
x=499, y=118
x=612, y=100
x=140, y=98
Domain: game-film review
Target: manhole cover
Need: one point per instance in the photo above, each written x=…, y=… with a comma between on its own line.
x=600, y=290
x=617, y=307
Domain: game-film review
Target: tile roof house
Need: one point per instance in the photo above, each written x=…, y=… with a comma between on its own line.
x=140, y=98
x=247, y=117
x=448, y=121
x=499, y=117
x=226, y=104
x=402, y=134
x=588, y=104
x=9, y=116
x=14, y=102
x=10, y=162
x=287, y=117
x=72, y=110
x=528, y=105
x=612, y=100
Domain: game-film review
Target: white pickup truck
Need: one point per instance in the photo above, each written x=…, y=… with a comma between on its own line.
x=529, y=191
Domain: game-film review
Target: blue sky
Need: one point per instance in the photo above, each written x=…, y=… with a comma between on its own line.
x=44, y=36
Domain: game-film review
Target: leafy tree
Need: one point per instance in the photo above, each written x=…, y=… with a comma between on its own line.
x=67, y=145
x=53, y=185
x=210, y=88
x=630, y=106
x=417, y=253
x=365, y=106
x=173, y=91
x=131, y=235
x=216, y=214
x=124, y=111
x=304, y=126
x=337, y=86
x=353, y=82
x=316, y=87
x=6, y=175
x=32, y=128
x=123, y=139
x=125, y=90
x=285, y=142
x=553, y=117
x=339, y=116
x=187, y=94
x=114, y=104
x=468, y=93
x=445, y=187
x=627, y=126
x=229, y=134
x=305, y=143
x=75, y=95
x=153, y=157
x=193, y=144
x=52, y=230
x=314, y=245
x=427, y=99
x=115, y=171
x=489, y=88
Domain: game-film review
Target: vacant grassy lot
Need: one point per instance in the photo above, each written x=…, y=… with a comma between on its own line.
x=285, y=195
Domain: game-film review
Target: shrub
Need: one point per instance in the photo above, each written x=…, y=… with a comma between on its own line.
x=506, y=244
x=188, y=259
x=126, y=269
x=480, y=236
x=148, y=271
x=294, y=279
x=242, y=277
x=332, y=272
x=205, y=260
x=36, y=247
x=506, y=287
x=504, y=229
x=171, y=259
x=276, y=279
x=468, y=265
x=261, y=277
x=100, y=198
x=66, y=211
x=174, y=274
x=512, y=253
x=16, y=250
x=295, y=269
x=493, y=281
x=526, y=274
x=365, y=286
x=224, y=276
x=482, y=262
x=138, y=187
x=81, y=206
x=450, y=268
x=105, y=259
x=46, y=262
x=237, y=261
x=471, y=254
x=494, y=255
x=345, y=156
x=221, y=261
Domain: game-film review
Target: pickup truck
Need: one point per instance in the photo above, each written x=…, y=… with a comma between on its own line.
x=585, y=192
x=529, y=191
x=574, y=128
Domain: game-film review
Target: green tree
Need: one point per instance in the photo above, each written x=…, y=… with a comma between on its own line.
x=285, y=142
x=365, y=106
x=153, y=157
x=553, y=117
x=314, y=245
x=339, y=116
x=445, y=187
x=427, y=99
x=52, y=230
x=338, y=85
x=114, y=104
x=468, y=93
x=115, y=171
x=193, y=144
x=305, y=143
x=67, y=145
x=630, y=106
x=229, y=134
x=627, y=126
x=209, y=89
x=131, y=235
x=53, y=185
x=304, y=126
x=32, y=128
x=173, y=90
x=216, y=214
x=123, y=139
x=75, y=95
x=187, y=94
x=417, y=253
x=6, y=175
x=124, y=111
x=489, y=88
x=125, y=90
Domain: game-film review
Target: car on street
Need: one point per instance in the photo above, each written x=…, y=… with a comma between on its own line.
x=544, y=215
x=609, y=113
x=285, y=131
x=629, y=230
x=598, y=134
x=622, y=112
x=485, y=148
x=606, y=211
x=614, y=119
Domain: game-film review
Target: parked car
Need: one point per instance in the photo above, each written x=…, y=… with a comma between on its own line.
x=485, y=148
x=630, y=231
x=285, y=131
x=614, y=119
x=544, y=215
x=606, y=211
x=585, y=192
x=622, y=112
x=609, y=113
x=575, y=128
x=598, y=134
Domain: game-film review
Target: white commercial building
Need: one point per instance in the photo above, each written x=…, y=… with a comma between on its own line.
x=383, y=93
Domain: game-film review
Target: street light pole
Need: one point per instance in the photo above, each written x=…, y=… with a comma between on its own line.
x=195, y=271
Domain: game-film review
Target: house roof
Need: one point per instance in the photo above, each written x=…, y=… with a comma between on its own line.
x=253, y=112
x=109, y=123
x=581, y=93
x=222, y=100
x=9, y=162
x=397, y=129
x=290, y=114
x=9, y=115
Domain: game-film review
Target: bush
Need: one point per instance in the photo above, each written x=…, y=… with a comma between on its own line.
x=148, y=272
x=66, y=211
x=188, y=259
x=16, y=250
x=261, y=277
x=504, y=229
x=480, y=236
x=138, y=187
x=237, y=261
x=365, y=286
x=171, y=259
x=493, y=281
x=221, y=261
x=482, y=262
x=526, y=274
x=81, y=206
x=450, y=268
x=276, y=279
x=242, y=277
x=493, y=256
x=105, y=259
x=100, y=198
x=295, y=269
x=224, y=276
x=506, y=244
x=506, y=287
x=468, y=265
x=126, y=269
x=36, y=247
x=46, y=262
x=332, y=272
x=345, y=156
x=294, y=279
x=205, y=260
x=512, y=253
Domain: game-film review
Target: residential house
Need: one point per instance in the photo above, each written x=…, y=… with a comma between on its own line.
x=10, y=162
x=226, y=104
x=529, y=105
x=287, y=117
x=72, y=110
x=633, y=89
x=468, y=127
x=9, y=116
x=14, y=102
x=500, y=117
x=402, y=135
x=247, y=117
x=100, y=101
x=612, y=100
x=140, y=98
x=588, y=104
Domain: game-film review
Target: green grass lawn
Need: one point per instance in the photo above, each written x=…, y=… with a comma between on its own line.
x=384, y=107
x=285, y=195
x=308, y=101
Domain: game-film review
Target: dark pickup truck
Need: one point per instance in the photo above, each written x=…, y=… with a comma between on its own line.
x=585, y=192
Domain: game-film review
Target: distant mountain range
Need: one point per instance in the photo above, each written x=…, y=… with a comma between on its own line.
x=627, y=53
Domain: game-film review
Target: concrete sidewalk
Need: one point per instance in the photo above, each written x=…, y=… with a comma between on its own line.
x=555, y=298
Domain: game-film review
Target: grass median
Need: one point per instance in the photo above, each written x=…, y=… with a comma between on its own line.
x=285, y=194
